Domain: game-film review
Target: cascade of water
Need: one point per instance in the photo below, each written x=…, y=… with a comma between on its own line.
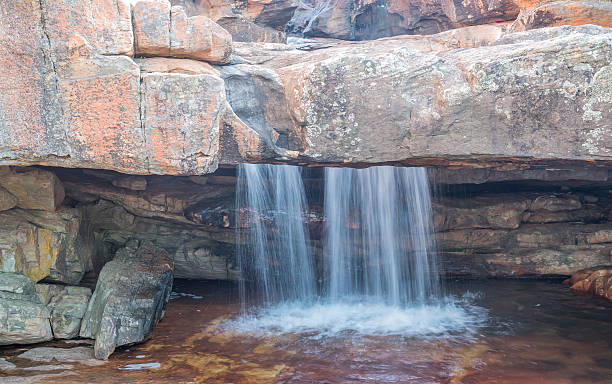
x=272, y=240
x=379, y=264
x=378, y=241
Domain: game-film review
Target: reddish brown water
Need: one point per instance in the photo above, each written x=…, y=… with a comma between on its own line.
x=537, y=332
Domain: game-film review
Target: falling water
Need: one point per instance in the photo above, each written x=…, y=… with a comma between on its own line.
x=272, y=239
x=379, y=241
x=379, y=274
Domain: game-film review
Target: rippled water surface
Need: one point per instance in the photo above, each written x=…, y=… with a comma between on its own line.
x=490, y=332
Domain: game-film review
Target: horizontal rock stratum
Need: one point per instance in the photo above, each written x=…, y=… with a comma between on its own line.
x=73, y=95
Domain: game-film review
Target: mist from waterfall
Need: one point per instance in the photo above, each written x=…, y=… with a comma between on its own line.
x=379, y=241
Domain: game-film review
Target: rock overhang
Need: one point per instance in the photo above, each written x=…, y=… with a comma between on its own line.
x=469, y=97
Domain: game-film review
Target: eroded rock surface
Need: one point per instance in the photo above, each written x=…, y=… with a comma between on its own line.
x=45, y=245
x=130, y=298
x=24, y=319
x=387, y=101
x=67, y=305
x=461, y=95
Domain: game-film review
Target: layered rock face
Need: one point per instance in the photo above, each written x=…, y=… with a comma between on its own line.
x=527, y=234
x=73, y=96
x=464, y=95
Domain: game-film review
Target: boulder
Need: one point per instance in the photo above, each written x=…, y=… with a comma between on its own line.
x=556, y=13
x=595, y=280
x=67, y=305
x=24, y=319
x=198, y=37
x=45, y=245
x=151, y=20
x=130, y=298
x=32, y=188
x=164, y=30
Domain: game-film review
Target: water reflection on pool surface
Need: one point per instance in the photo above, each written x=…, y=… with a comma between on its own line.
x=501, y=332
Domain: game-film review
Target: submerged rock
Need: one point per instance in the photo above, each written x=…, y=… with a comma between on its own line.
x=83, y=355
x=24, y=319
x=596, y=280
x=130, y=298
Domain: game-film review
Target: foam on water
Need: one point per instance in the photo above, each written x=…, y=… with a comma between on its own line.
x=364, y=317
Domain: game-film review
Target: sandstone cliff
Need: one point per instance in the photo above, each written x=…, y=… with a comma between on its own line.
x=128, y=87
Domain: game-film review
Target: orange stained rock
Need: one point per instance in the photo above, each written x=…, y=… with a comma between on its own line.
x=151, y=19
x=24, y=76
x=551, y=14
x=181, y=123
x=102, y=105
x=106, y=24
x=198, y=37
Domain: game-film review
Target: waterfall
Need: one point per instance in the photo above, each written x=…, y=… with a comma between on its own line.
x=378, y=273
x=272, y=240
x=377, y=242
x=378, y=237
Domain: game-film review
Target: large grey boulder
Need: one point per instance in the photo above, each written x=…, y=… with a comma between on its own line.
x=24, y=319
x=130, y=298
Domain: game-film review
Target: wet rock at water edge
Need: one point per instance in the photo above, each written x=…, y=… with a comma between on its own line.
x=82, y=355
x=596, y=280
x=24, y=319
x=130, y=298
